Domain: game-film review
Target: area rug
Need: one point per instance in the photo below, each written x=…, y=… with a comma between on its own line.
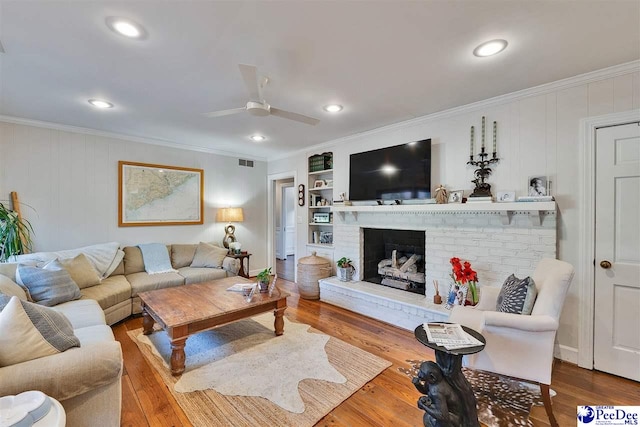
x=241, y=374
x=502, y=401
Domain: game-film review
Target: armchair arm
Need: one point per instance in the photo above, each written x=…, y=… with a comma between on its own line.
x=65, y=375
x=488, y=298
x=540, y=323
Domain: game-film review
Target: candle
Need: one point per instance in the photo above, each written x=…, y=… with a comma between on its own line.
x=482, y=134
x=495, y=132
x=471, y=145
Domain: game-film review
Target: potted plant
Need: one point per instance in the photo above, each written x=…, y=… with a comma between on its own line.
x=264, y=277
x=345, y=269
x=15, y=234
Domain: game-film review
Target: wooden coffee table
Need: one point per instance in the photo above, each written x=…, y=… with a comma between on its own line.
x=186, y=310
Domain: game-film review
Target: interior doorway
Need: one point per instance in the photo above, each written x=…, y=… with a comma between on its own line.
x=282, y=218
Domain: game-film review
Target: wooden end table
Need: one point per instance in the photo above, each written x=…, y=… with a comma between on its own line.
x=242, y=272
x=450, y=364
x=186, y=310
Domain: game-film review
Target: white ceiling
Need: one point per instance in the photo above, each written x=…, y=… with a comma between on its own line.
x=385, y=61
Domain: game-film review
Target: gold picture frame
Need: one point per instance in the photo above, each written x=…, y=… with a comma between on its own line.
x=152, y=195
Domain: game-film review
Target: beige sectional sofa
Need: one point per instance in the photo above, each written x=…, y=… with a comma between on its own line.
x=87, y=379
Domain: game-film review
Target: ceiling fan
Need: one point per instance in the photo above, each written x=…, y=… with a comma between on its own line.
x=257, y=106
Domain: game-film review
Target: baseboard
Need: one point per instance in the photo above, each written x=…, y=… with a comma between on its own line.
x=566, y=353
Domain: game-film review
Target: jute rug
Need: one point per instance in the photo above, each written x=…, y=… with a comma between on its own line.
x=502, y=401
x=261, y=379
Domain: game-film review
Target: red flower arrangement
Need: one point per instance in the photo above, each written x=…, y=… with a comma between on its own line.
x=462, y=274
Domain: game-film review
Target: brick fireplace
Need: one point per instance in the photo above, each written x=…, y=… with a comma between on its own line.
x=498, y=241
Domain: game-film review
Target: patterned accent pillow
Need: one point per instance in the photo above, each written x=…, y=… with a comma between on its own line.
x=517, y=295
x=208, y=256
x=47, y=287
x=30, y=331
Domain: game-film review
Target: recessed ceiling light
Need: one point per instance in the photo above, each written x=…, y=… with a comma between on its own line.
x=126, y=27
x=99, y=103
x=490, y=48
x=332, y=108
x=257, y=138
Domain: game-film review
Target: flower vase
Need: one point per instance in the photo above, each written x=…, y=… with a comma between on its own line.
x=472, y=294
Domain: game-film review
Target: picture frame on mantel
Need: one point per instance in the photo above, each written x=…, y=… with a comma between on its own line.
x=456, y=196
x=153, y=195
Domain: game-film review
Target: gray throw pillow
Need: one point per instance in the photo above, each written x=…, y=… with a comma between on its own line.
x=47, y=287
x=31, y=331
x=517, y=295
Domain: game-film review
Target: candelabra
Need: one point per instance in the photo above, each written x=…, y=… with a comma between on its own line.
x=483, y=189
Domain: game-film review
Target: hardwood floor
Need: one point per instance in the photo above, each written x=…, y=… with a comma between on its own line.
x=388, y=400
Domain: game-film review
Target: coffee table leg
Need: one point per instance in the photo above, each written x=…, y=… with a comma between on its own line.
x=177, y=356
x=278, y=324
x=147, y=323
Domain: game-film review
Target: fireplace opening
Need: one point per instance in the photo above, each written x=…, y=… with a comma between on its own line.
x=395, y=258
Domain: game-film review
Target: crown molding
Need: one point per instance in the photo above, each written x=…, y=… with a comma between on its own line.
x=593, y=76
x=142, y=140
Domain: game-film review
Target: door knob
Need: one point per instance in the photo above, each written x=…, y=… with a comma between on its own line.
x=605, y=264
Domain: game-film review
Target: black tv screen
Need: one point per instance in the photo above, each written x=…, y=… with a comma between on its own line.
x=400, y=172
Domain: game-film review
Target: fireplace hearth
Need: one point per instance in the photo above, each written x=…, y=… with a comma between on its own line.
x=395, y=258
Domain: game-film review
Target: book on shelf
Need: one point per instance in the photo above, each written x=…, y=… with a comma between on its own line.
x=483, y=199
x=536, y=199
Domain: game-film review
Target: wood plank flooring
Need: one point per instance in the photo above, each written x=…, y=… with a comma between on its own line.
x=388, y=400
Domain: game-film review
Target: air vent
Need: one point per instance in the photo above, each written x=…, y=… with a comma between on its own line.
x=247, y=163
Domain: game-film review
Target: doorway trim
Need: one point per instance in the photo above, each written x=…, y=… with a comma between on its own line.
x=271, y=216
x=586, y=259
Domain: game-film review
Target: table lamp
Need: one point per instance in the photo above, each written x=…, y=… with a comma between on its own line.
x=229, y=215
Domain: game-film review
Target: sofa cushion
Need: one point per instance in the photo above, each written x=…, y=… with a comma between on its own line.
x=91, y=335
x=182, y=255
x=517, y=295
x=133, y=262
x=11, y=288
x=47, y=287
x=119, y=270
x=209, y=256
x=197, y=275
x=82, y=313
x=79, y=268
x=141, y=282
x=30, y=331
x=111, y=291
x=9, y=269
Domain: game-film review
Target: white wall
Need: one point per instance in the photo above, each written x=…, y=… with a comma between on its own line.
x=538, y=133
x=71, y=182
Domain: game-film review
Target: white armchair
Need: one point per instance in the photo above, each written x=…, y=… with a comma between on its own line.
x=520, y=346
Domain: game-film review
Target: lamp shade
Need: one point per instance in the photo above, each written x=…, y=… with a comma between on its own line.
x=230, y=215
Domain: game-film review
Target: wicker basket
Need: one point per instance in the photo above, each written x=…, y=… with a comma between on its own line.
x=310, y=270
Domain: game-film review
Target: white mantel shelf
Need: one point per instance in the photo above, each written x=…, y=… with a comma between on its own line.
x=535, y=210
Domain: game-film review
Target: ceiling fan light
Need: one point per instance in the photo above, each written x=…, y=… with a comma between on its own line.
x=126, y=27
x=257, y=138
x=490, y=48
x=99, y=103
x=333, y=108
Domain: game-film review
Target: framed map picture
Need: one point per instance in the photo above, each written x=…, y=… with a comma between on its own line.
x=159, y=195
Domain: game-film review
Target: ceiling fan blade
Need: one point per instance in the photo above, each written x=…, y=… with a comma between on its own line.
x=250, y=77
x=225, y=112
x=294, y=116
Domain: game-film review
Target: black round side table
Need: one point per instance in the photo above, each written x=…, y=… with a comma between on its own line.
x=454, y=395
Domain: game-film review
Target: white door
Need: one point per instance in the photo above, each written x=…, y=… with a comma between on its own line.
x=617, y=257
x=289, y=225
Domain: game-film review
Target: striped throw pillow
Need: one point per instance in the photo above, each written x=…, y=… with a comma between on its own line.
x=47, y=287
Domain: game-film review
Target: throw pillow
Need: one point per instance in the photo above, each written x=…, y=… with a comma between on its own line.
x=30, y=331
x=11, y=288
x=79, y=268
x=47, y=287
x=517, y=295
x=209, y=256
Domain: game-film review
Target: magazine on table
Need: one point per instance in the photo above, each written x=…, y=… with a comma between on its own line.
x=449, y=335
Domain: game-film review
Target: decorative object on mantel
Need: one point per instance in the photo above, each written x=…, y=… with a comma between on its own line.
x=456, y=196
x=506, y=196
x=345, y=269
x=464, y=277
x=483, y=189
x=442, y=196
x=437, y=299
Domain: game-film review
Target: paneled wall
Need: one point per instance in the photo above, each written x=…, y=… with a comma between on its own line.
x=538, y=134
x=70, y=183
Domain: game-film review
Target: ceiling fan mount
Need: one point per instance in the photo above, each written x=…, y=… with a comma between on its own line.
x=260, y=107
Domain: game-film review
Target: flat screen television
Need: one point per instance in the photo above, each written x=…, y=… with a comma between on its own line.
x=400, y=172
